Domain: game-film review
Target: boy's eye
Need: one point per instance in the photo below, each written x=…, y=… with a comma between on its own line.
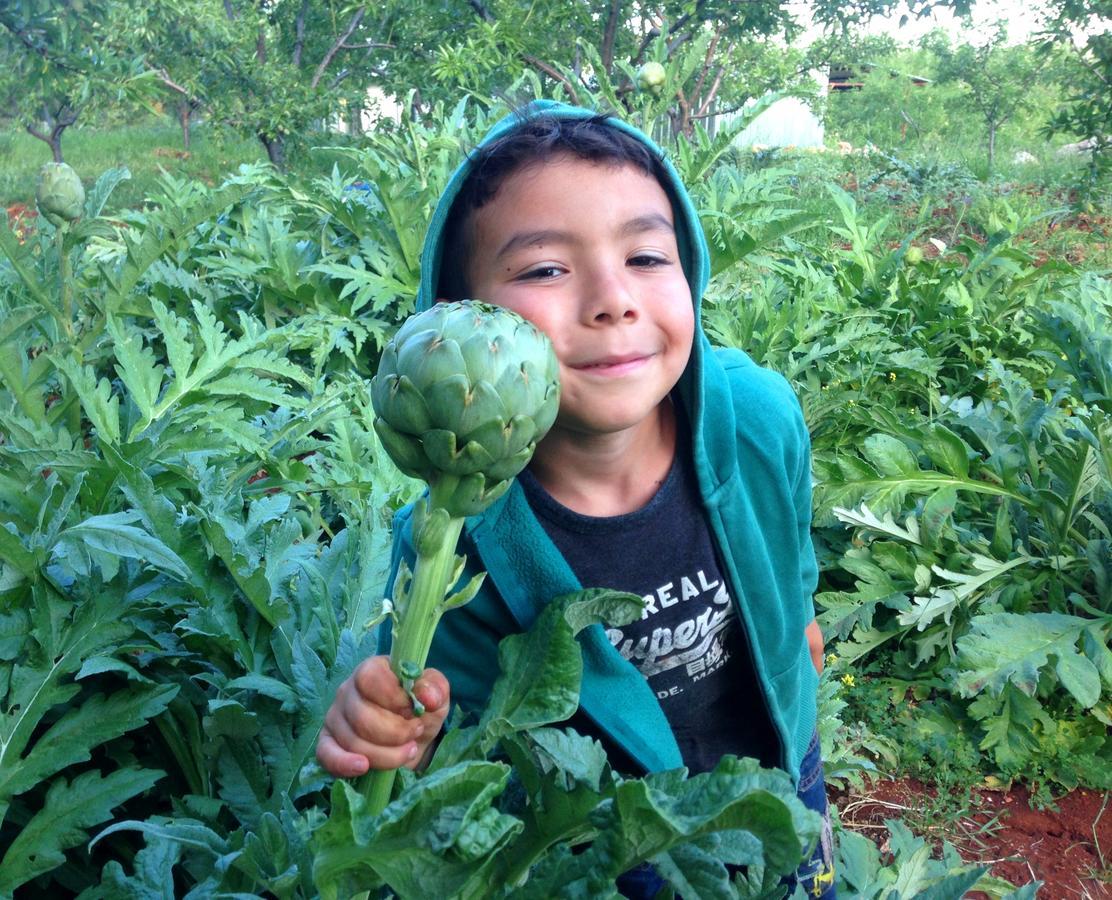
x=647, y=261
x=540, y=273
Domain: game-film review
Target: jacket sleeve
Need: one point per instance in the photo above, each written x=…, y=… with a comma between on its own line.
x=801, y=492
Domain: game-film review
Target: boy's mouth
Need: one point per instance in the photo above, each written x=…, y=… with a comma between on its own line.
x=613, y=365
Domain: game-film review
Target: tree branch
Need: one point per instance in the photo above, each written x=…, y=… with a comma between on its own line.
x=671, y=29
x=711, y=94
x=35, y=133
x=711, y=47
x=165, y=78
x=368, y=45
x=335, y=48
x=553, y=73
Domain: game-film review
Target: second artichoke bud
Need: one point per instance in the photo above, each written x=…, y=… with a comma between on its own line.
x=59, y=194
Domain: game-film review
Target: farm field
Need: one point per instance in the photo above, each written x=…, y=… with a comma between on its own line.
x=196, y=508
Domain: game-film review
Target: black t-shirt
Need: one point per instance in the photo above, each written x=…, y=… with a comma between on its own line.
x=688, y=643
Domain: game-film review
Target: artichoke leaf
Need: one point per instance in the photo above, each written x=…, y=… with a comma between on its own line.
x=482, y=355
x=428, y=362
x=403, y=403
x=508, y=468
x=481, y=406
x=404, y=450
x=440, y=447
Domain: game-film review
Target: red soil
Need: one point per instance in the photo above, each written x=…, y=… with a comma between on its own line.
x=1068, y=848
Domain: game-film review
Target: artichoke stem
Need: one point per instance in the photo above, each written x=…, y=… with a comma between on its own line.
x=412, y=637
x=66, y=293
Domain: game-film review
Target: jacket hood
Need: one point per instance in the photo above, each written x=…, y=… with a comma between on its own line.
x=694, y=256
x=689, y=233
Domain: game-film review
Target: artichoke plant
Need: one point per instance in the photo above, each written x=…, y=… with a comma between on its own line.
x=463, y=393
x=59, y=194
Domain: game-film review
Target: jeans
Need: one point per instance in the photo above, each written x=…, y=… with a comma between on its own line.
x=815, y=875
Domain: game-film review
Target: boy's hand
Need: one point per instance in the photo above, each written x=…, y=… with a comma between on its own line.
x=371, y=724
x=815, y=645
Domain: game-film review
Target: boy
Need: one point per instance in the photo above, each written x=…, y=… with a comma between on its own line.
x=674, y=471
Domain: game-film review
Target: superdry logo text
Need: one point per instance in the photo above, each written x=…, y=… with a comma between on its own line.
x=682, y=632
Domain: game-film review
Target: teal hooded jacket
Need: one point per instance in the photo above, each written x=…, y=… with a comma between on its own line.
x=751, y=454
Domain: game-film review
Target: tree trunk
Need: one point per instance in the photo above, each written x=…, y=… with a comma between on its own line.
x=355, y=119
x=991, y=146
x=185, y=117
x=275, y=150
x=610, y=34
x=53, y=141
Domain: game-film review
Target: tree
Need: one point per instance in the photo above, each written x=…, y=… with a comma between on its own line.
x=1084, y=28
x=285, y=67
x=997, y=78
x=483, y=46
x=61, y=59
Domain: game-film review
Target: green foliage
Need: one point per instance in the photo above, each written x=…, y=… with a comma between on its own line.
x=146, y=148
x=979, y=497
x=167, y=614
x=913, y=871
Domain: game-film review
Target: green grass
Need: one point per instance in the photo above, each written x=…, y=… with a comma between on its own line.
x=146, y=149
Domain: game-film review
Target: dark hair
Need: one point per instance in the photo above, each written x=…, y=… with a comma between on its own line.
x=536, y=140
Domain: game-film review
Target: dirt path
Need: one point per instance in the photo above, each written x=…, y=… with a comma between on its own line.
x=1069, y=849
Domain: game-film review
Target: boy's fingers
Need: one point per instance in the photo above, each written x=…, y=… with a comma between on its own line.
x=376, y=682
x=337, y=760
x=372, y=723
x=348, y=744
x=433, y=691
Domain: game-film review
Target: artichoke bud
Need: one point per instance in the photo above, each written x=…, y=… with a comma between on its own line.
x=465, y=389
x=409, y=672
x=428, y=537
x=59, y=194
x=650, y=77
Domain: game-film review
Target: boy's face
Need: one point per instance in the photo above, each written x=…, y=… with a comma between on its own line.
x=588, y=253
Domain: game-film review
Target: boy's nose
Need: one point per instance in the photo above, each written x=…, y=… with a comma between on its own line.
x=610, y=300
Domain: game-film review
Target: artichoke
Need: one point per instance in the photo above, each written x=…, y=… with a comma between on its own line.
x=463, y=393
x=60, y=196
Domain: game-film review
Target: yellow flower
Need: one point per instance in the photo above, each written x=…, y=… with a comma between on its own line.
x=847, y=680
x=831, y=658
x=891, y=376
